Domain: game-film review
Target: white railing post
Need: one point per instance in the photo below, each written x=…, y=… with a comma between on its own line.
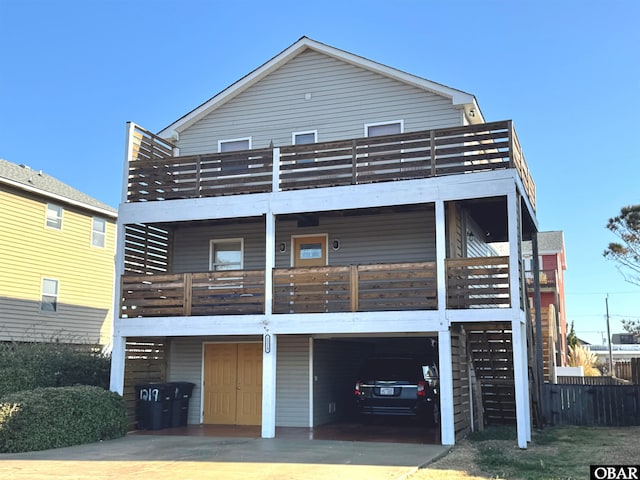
x=441, y=254
x=270, y=262
x=128, y=157
x=275, y=186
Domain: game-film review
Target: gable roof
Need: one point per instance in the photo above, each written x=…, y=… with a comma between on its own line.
x=458, y=97
x=549, y=243
x=35, y=181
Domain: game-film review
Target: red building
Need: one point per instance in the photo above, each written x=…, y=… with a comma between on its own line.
x=552, y=264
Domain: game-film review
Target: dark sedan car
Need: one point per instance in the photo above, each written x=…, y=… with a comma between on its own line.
x=398, y=386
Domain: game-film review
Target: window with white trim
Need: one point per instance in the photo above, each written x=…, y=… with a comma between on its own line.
x=49, y=298
x=384, y=128
x=304, y=138
x=234, y=144
x=98, y=232
x=226, y=254
x=54, y=216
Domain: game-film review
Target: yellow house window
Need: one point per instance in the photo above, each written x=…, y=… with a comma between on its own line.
x=98, y=232
x=54, y=216
x=49, y=299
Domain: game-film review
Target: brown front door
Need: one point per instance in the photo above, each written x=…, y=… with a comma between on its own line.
x=233, y=384
x=310, y=251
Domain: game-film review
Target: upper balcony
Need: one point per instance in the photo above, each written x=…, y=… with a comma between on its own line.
x=155, y=174
x=548, y=279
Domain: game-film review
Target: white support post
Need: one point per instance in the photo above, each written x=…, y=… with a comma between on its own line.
x=270, y=262
x=527, y=393
x=521, y=383
x=118, y=353
x=515, y=237
x=269, y=354
x=275, y=187
x=441, y=256
x=519, y=343
x=448, y=433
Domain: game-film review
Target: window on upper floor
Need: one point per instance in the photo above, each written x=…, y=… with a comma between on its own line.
x=235, y=144
x=230, y=165
x=49, y=298
x=98, y=232
x=226, y=254
x=54, y=216
x=383, y=128
x=304, y=138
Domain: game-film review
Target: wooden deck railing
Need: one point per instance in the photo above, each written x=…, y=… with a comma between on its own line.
x=471, y=283
x=356, y=288
x=547, y=278
x=415, y=155
x=481, y=282
x=233, y=292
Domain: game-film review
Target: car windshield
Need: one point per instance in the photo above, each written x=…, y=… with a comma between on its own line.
x=391, y=369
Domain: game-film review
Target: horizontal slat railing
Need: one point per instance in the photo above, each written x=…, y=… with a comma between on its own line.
x=479, y=282
x=247, y=171
x=363, y=288
x=415, y=155
x=547, y=278
x=231, y=292
x=471, y=283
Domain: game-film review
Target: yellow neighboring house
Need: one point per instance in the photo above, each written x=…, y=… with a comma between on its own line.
x=57, y=248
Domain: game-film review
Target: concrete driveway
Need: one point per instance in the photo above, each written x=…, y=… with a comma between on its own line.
x=160, y=457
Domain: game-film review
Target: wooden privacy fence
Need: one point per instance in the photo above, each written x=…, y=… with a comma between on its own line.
x=629, y=370
x=592, y=405
x=577, y=380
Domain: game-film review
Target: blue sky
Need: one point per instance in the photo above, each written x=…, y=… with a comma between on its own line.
x=567, y=72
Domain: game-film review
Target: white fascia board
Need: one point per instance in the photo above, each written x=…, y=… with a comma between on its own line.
x=479, y=315
x=418, y=321
x=59, y=198
x=406, y=192
x=426, y=321
x=234, y=206
x=458, y=97
x=194, y=326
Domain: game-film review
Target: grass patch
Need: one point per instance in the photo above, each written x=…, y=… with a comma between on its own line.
x=555, y=453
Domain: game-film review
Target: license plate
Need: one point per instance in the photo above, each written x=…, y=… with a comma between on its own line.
x=386, y=390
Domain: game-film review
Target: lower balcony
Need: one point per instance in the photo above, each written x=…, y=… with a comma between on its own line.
x=471, y=283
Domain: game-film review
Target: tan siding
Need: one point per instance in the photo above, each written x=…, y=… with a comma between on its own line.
x=343, y=98
x=30, y=251
x=364, y=239
x=292, y=379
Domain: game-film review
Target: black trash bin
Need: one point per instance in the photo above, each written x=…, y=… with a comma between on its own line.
x=154, y=403
x=180, y=408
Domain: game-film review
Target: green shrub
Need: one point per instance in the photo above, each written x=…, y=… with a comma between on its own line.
x=52, y=417
x=33, y=365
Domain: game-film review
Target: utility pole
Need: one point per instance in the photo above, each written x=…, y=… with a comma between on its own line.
x=611, y=372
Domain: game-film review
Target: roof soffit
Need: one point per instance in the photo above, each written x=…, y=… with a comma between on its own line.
x=458, y=97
